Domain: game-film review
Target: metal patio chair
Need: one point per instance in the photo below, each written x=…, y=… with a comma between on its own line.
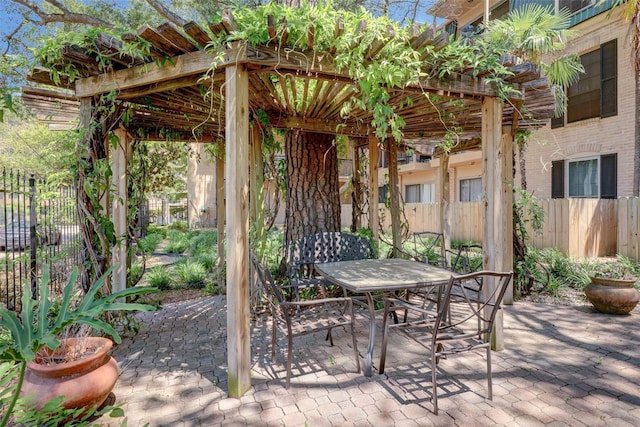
x=467, y=326
x=304, y=317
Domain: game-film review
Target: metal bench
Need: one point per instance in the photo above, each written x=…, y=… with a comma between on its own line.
x=328, y=246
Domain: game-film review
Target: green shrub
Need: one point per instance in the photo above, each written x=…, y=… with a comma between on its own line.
x=204, y=241
x=180, y=226
x=135, y=274
x=158, y=229
x=208, y=259
x=150, y=242
x=192, y=275
x=178, y=243
x=160, y=277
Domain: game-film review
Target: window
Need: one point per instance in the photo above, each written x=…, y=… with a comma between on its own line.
x=596, y=93
x=382, y=193
x=583, y=178
x=574, y=5
x=471, y=190
x=420, y=193
x=383, y=159
x=594, y=177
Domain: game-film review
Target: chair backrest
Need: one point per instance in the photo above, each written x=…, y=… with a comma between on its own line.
x=329, y=246
x=265, y=277
x=429, y=246
x=465, y=314
x=467, y=259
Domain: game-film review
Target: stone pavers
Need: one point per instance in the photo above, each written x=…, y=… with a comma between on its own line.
x=561, y=366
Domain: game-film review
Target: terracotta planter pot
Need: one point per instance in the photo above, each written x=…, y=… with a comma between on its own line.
x=612, y=296
x=85, y=382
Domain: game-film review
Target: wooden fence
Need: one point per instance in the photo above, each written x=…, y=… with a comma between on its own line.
x=577, y=227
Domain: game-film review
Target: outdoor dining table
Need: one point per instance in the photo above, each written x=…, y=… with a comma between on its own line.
x=370, y=276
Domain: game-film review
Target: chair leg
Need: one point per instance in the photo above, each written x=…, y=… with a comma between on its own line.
x=355, y=341
x=289, y=355
x=434, y=397
x=273, y=341
x=489, y=382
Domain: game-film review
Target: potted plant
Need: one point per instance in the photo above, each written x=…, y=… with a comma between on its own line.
x=612, y=289
x=50, y=365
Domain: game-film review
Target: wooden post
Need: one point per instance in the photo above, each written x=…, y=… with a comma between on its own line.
x=220, y=217
x=394, y=196
x=497, y=200
x=356, y=199
x=373, y=187
x=506, y=206
x=119, y=210
x=237, y=190
x=256, y=195
x=445, y=198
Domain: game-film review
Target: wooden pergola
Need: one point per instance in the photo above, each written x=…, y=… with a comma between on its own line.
x=164, y=90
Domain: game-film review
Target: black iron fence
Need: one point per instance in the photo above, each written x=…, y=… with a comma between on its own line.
x=38, y=226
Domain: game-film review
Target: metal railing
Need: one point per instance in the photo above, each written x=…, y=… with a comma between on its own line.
x=38, y=225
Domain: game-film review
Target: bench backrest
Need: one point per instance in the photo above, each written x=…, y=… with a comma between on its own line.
x=329, y=246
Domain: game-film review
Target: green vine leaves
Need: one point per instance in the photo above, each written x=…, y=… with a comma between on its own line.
x=375, y=52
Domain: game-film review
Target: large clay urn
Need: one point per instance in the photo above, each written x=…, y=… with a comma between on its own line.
x=80, y=369
x=612, y=296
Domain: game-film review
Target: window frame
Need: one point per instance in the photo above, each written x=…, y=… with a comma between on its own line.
x=461, y=180
x=568, y=177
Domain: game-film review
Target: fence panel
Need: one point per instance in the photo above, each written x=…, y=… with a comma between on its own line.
x=38, y=226
x=628, y=227
x=577, y=227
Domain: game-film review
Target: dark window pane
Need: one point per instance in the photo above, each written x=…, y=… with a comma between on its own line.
x=584, y=96
x=609, y=83
x=557, y=122
x=574, y=5
x=557, y=179
x=609, y=176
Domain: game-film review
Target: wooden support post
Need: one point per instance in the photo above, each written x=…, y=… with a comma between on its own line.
x=119, y=210
x=356, y=199
x=220, y=218
x=394, y=195
x=497, y=199
x=256, y=195
x=237, y=190
x=445, y=198
x=373, y=187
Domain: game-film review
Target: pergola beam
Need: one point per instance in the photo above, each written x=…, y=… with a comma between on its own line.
x=309, y=64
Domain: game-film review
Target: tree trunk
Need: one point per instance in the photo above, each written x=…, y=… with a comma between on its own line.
x=636, y=157
x=313, y=193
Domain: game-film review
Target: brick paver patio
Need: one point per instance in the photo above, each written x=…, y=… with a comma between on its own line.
x=562, y=366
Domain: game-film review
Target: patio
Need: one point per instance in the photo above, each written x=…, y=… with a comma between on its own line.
x=562, y=365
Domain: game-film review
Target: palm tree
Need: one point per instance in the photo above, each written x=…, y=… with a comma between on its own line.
x=631, y=16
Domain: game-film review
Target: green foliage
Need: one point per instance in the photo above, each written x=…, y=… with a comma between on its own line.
x=160, y=277
x=192, y=274
x=178, y=242
x=42, y=319
x=150, y=242
x=205, y=241
x=527, y=210
x=208, y=259
x=532, y=33
x=35, y=328
x=181, y=226
x=134, y=274
x=368, y=234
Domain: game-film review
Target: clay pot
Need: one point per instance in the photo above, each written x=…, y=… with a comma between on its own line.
x=85, y=381
x=612, y=296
